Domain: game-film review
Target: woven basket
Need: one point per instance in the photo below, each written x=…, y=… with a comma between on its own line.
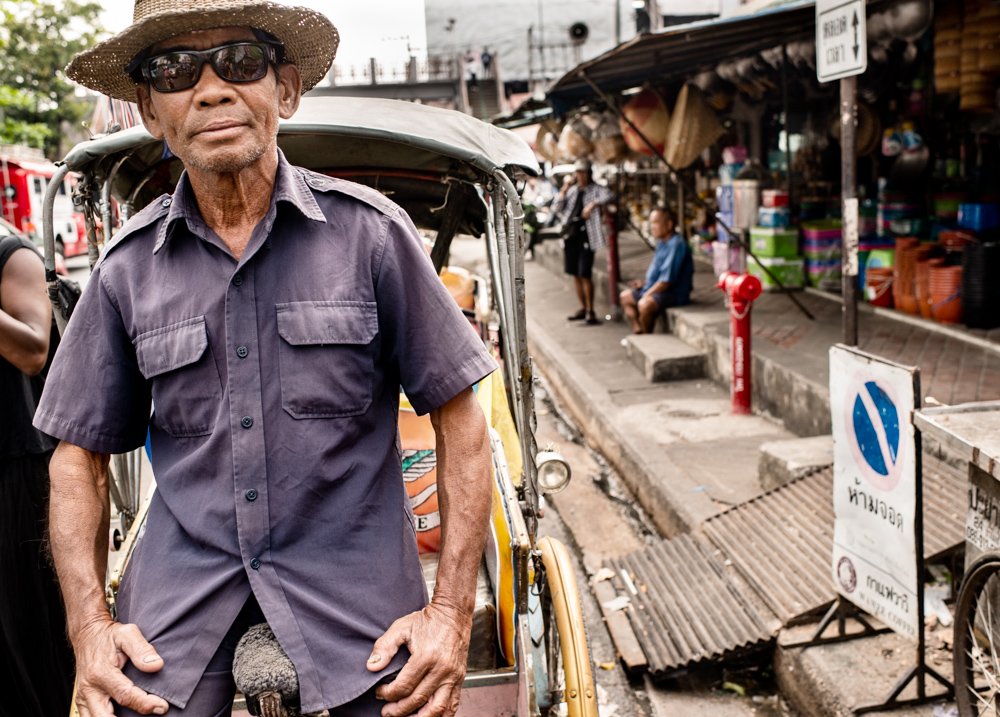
x=693, y=129
x=649, y=114
x=574, y=141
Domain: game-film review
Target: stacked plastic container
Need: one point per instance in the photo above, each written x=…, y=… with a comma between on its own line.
x=775, y=244
x=821, y=247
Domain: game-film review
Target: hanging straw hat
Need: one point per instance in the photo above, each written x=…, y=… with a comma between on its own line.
x=309, y=38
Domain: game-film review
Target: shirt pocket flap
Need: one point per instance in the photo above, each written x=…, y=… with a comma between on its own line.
x=314, y=323
x=162, y=350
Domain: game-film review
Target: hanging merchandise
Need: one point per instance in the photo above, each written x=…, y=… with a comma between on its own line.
x=947, y=47
x=609, y=145
x=649, y=114
x=693, y=128
x=977, y=92
x=575, y=140
x=989, y=38
x=546, y=145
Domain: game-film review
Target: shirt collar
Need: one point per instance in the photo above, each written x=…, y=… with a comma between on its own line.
x=289, y=187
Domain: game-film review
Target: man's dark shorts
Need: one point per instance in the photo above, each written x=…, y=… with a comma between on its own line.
x=578, y=257
x=663, y=299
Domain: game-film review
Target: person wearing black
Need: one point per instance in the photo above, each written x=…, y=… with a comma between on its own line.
x=36, y=661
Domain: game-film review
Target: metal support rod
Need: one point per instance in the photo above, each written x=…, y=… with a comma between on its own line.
x=49, y=244
x=784, y=124
x=849, y=197
x=609, y=101
x=614, y=266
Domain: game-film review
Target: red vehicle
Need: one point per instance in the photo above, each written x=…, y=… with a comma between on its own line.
x=24, y=176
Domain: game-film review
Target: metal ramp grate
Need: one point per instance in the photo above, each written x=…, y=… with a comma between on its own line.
x=684, y=608
x=730, y=586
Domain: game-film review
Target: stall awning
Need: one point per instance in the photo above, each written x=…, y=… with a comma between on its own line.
x=683, y=51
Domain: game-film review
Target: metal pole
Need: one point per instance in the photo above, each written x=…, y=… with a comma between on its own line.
x=784, y=113
x=849, y=195
x=541, y=43
x=618, y=22
x=614, y=271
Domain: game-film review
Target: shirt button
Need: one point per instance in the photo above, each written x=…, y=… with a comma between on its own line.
x=251, y=495
x=167, y=202
x=246, y=421
x=242, y=351
x=255, y=564
x=238, y=280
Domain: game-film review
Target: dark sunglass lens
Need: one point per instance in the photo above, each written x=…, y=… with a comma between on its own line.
x=240, y=63
x=173, y=72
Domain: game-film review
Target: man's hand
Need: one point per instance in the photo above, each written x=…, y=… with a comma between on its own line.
x=636, y=284
x=430, y=683
x=102, y=649
x=587, y=210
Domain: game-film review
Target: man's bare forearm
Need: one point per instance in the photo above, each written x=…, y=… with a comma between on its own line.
x=464, y=496
x=79, y=513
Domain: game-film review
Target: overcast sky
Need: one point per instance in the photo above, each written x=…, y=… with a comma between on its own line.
x=370, y=28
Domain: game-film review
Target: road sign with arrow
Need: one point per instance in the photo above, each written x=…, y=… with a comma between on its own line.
x=841, y=39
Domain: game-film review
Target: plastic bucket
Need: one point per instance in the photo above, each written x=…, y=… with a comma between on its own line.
x=878, y=286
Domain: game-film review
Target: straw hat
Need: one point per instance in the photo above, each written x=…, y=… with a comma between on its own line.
x=309, y=38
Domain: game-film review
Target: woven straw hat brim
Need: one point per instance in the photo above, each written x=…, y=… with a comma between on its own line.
x=309, y=38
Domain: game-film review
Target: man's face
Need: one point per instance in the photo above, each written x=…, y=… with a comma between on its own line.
x=582, y=177
x=219, y=126
x=660, y=225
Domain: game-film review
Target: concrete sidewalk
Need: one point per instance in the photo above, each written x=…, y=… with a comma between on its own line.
x=791, y=366
x=675, y=444
x=683, y=454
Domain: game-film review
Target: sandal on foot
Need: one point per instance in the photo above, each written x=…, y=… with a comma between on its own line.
x=592, y=320
x=578, y=316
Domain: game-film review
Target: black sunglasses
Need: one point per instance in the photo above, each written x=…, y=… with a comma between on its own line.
x=237, y=62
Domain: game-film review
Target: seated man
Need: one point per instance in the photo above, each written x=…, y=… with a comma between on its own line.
x=668, y=280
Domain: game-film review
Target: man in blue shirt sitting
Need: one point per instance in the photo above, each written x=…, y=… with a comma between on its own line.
x=668, y=280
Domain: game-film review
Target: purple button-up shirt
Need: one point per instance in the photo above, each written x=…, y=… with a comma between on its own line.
x=275, y=385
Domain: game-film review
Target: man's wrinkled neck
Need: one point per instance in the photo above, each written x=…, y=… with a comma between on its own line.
x=234, y=201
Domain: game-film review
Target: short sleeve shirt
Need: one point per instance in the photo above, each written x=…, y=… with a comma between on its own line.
x=672, y=264
x=274, y=383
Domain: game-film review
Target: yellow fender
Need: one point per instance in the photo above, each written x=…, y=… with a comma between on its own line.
x=581, y=695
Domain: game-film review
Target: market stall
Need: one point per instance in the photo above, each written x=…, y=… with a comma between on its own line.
x=725, y=120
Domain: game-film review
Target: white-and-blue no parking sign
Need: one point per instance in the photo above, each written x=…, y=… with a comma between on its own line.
x=875, y=485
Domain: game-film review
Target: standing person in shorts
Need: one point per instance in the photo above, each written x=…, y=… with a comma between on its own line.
x=669, y=278
x=579, y=208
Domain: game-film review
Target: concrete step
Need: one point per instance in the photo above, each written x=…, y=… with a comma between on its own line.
x=661, y=357
x=783, y=461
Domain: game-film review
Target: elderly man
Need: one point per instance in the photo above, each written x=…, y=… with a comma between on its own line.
x=270, y=315
x=669, y=278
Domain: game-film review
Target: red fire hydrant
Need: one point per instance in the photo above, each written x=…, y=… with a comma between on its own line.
x=741, y=290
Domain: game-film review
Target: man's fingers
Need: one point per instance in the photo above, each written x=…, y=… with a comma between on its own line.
x=126, y=694
x=93, y=703
x=406, y=682
x=388, y=645
x=443, y=703
x=140, y=653
x=431, y=698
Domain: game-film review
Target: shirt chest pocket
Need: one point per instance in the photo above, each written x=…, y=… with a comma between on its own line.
x=187, y=391
x=326, y=357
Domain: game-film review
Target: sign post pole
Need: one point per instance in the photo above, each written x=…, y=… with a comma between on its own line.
x=849, y=205
x=842, y=54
